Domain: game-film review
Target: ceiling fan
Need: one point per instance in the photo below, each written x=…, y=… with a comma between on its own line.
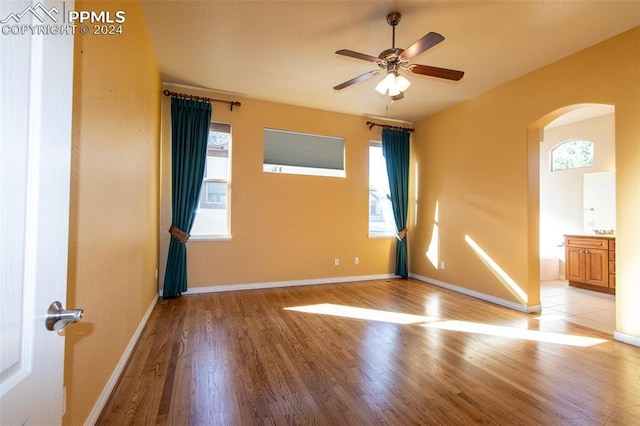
x=395, y=59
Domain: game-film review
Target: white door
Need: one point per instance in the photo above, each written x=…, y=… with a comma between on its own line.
x=36, y=82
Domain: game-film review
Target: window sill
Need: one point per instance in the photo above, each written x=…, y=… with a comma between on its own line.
x=382, y=235
x=209, y=238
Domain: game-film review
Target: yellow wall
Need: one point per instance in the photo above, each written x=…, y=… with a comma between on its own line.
x=284, y=227
x=480, y=159
x=114, y=202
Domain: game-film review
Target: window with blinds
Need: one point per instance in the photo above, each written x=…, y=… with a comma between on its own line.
x=303, y=153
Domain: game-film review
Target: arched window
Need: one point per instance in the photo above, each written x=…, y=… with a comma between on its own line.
x=572, y=154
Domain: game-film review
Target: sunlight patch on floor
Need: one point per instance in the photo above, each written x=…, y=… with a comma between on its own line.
x=344, y=311
x=516, y=333
x=362, y=313
x=551, y=317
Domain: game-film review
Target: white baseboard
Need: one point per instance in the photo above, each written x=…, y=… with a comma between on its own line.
x=292, y=283
x=117, y=371
x=478, y=295
x=626, y=338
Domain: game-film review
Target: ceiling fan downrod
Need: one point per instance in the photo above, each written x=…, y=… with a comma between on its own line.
x=393, y=19
x=390, y=56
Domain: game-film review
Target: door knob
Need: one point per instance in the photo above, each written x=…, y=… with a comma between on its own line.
x=58, y=319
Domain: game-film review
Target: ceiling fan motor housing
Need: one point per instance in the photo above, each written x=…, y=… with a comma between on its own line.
x=388, y=54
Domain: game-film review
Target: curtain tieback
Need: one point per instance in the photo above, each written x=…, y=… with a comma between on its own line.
x=179, y=234
x=403, y=233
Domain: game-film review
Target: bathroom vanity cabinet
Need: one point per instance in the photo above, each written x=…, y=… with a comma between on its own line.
x=590, y=262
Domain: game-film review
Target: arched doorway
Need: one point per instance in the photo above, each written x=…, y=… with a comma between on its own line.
x=567, y=207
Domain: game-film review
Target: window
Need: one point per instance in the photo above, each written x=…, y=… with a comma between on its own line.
x=212, y=216
x=381, y=221
x=572, y=154
x=303, y=154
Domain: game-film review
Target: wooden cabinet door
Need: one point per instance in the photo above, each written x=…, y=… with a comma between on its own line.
x=575, y=264
x=597, y=267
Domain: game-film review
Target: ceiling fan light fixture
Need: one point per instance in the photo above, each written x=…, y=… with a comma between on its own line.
x=382, y=87
x=397, y=98
x=394, y=91
x=386, y=83
x=402, y=83
x=393, y=83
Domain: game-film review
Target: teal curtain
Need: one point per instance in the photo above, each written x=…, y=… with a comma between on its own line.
x=189, y=135
x=395, y=148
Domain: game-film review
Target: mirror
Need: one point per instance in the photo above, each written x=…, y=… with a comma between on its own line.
x=599, y=203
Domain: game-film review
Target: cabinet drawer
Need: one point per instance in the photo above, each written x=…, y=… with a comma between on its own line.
x=596, y=243
x=612, y=267
x=612, y=281
x=612, y=255
x=612, y=244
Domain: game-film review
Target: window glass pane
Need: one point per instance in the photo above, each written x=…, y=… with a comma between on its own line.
x=381, y=220
x=217, y=167
x=212, y=215
x=214, y=195
x=210, y=222
x=572, y=155
x=218, y=151
x=309, y=171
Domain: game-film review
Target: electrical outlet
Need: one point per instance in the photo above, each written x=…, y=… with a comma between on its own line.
x=336, y=261
x=356, y=261
x=442, y=264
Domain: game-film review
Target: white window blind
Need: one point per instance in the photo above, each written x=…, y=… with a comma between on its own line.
x=303, y=153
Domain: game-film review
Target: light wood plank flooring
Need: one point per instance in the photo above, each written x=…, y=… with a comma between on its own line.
x=408, y=354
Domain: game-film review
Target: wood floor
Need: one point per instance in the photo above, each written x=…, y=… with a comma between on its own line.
x=408, y=354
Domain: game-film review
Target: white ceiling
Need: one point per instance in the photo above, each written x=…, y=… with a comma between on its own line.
x=283, y=51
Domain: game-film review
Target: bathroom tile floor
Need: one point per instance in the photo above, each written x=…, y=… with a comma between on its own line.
x=585, y=307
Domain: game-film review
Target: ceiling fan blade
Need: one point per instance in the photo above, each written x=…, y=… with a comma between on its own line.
x=356, y=79
x=357, y=55
x=426, y=42
x=436, y=72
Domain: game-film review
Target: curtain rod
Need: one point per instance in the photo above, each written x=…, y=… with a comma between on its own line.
x=386, y=126
x=200, y=98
